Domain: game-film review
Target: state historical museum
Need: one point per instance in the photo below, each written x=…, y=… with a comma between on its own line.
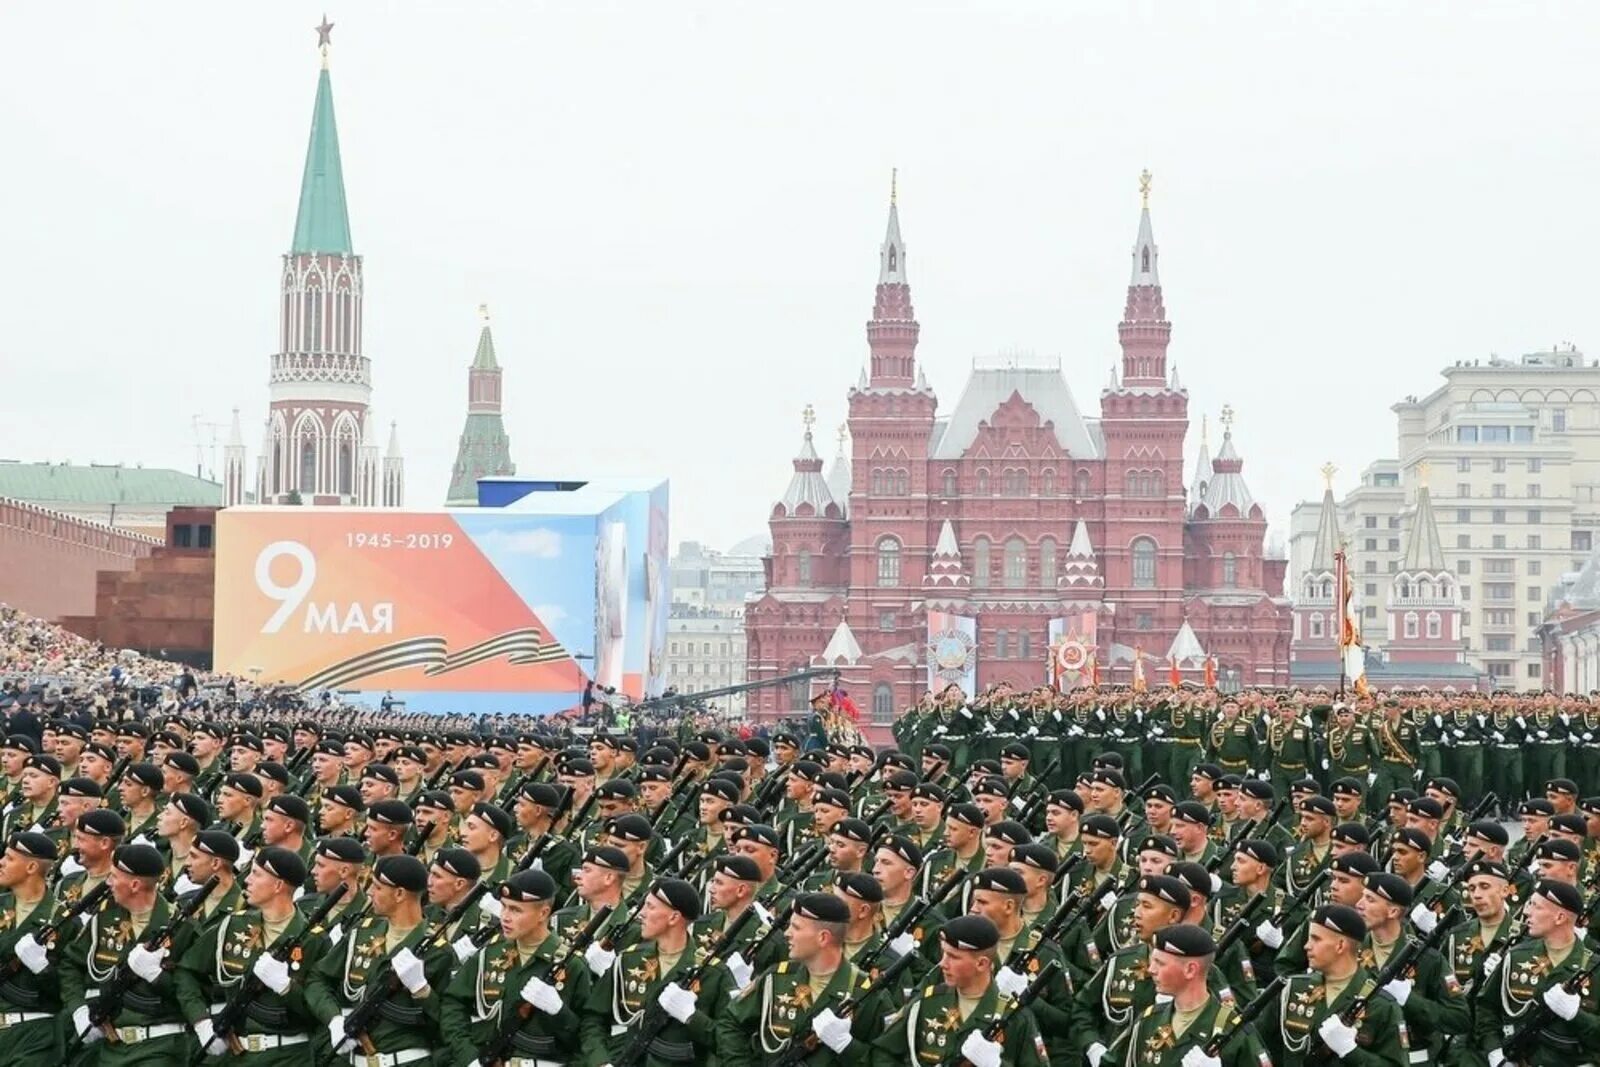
x=1012, y=539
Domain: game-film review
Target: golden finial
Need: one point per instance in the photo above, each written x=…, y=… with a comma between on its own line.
x=809, y=417
x=1328, y=471
x=894, y=186
x=324, y=39
x=483, y=313
x=1226, y=418
x=844, y=431
x=1205, y=430
x=1422, y=474
x=1144, y=187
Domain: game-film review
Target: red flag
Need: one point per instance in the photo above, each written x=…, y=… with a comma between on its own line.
x=842, y=701
x=1174, y=675
x=1211, y=672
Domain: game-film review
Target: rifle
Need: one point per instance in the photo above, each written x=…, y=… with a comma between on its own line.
x=779, y=924
x=117, y=771
x=230, y=1021
x=1029, y=995
x=805, y=1041
x=505, y=1037
x=909, y=914
x=656, y=1018
x=1535, y=1020
x=1246, y=1016
x=1292, y=904
x=506, y=791
x=538, y=847
x=51, y=934
x=360, y=1020
x=1401, y=963
x=797, y=875
x=113, y=990
x=1146, y=784
x=1020, y=957
x=669, y=862
x=1240, y=923
x=1068, y=865
x=1231, y=847
x=767, y=791
x=582, y=814
x=661, y=809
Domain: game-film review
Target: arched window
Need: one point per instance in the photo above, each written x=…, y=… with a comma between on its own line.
x=983, y=482
x=1230, y=571
x=1082, y=483
x=902, y=484
x=1411, y=624
x=1002, y=645
x=1016, y=563
x=799, y=690
x=308, y=466
x=1047, y=562
x=1047, y=482
x=1016, y=482
x=1316, y=624
x=888, y=561
x=949, y=483
x=1327, y=588
x=1434, y=625
x=882, y=704
x=803, y=566
x=1144, y=563
x=877, y=482
x=1144, y=260
x=1024, y=645
x=980, y=563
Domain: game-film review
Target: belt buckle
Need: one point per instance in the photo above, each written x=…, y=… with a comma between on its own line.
x=372, y=1059
x=128, y=1035
x=253, y=1043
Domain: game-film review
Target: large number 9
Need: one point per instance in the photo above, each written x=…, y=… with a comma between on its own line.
x=289, y=597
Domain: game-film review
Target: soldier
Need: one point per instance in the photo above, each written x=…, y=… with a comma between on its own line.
x=140, y=793
x=1291, y=748
x=1506, y=732
x=1399, y=751
x=1231, y=743
x=95, y=836
x=341, y=813
x=962, y=848
x=30, y=999
x=36, y=790
x=1254, y=860
x=1545, y=744
x=1313, y=851
x=1352, y=746
x=1288, y=939
x=1062, y=813
x=1191, y=829
x=598, y=882
x=337, y=861
x=242, y=943
x=1187, y=1015
x=1234, y=965
x=1533, y=973
x=950, y=1019
x=1309, y=1026
x=1479, y=943
x=183, y=817
x=1429, y=996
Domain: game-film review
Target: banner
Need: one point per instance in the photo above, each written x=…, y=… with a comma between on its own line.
x=1072, y=649
x=952, y=651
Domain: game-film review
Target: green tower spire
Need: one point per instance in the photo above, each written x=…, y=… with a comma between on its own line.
x=323, y=222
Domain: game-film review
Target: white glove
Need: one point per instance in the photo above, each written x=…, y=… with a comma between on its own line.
x=831, y=1030
x=205, y=1031
x=598, y=958
x=1196, y=1057
x=146, y=964
x=1438, y=871
x=1372, y=776
x=677, y=1002
x=1400, y=990
x=343, y=1045
x=980, y=1050
x=903, y=945
x=1564, y=1004
x=184, y=884
x=1496, y=1057
x=1095, y=1053
x=1108, y=900
x=1424, y=918
x=82, y=1027
x=463, y=948
x=489, y=904
x=1324, y=767
x=1491, y=964
x=409, y=970
x=1010, y=982
x=273, y=972
x=1269, y=935
x=70, y=866
x=245, y=857
x=741, y=970
x=335, y=934
x=1216, y=885
x=1337, y=1036
x=33, y=955
x=542, y=995
x=1019, y=803
x=1544, y=735
x=1498, y=736
x=1581, y=933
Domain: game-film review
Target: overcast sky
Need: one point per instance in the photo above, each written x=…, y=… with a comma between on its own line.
x=674, y=212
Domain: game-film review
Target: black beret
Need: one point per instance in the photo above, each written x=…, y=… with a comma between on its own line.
x=1352, y=833
x=528, y=886
x=1391, y=887
x=101, y=822
x=348, y=795
x=1492, y=868
x=33, y=845
x=758, y=832
x=1564, y=786
x=617, y=789
x=806, y=770
x=1537, y=806
x=218, y=843
x=1015, y=750
x=1159, y=843
x=458, y=862
x=1427, y=807
x=1360, y=864
x=1306, y=784
x=503, y=824
x=1401, y=796
x=1558, y=848
x=721, y=787
x=1167, y=888
x=343, y=849
x=414, y=753
x=280, y=774
x=1010, y=831
x=630, y=827
x=1260, y=850
x=1161, y=791
x=1210, y=771
x=1066, y=798
x=401, y=872
x=1100, y=826
x=836, y=798
x=1193, y=875
x=929, y=791
x=756, y=746
x=391, y=813
x=991, y=786
x=244, y=783
x=1318, y=806
x=890, y=759
x=853, y=830
x=972, y=933
x=282, y=863
x=1348, y=787
x=1000, y=880
x=20, y=743
x=1110, y=776
x=1490, y=831
x=968, y=814
x=146, y=774
x=434, y=799
x=678, y=895
x=291, y=807
x=194, y=807
x=607, y=857
x=1591, y=805
x=860, y=885
x=825, y=907
x=252, y=742
x=48, y=764
x=95, y=748
x=1107, y=759
x=1411, y=837
x=739, y=815
x=1571, y=823
x=940, y=752
x=141, y=861
x=1185, y=940
x=1257, y=789
x=1341, y=920
x=467, y=780
x=1444, y=785
x=377, y=770
x=544, y=794
x=1560, y=894
x=740, y=868
x=980, y=768
x=1192, y=811
x=81, y=787
x=1039, y=857
x=784, y=738
x=649, y=773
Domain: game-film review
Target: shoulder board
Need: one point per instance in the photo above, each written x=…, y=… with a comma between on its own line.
x=1151, y=1010
x=926, y=993
x=783, y=968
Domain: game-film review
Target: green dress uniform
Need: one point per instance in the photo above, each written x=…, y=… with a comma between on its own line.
x=1291, y=751
x=929, y=1031
x=1119, y=992
x=25, y=817
x=619, y=1000
x=1231, y=744
x=277, y=1030
x=29, y=1003
x=150, y=1025
x=1301, y=865
x=1546, y=748
x=776, y=1009
x=1506, y=997
x=473, y=1007
x=404, y=1025
x=1464, y=734
x=1161, y=1035
x=1186, y=728
x=1583, y=759
x=1507, y=733
x=1085, y=737
x=1352, y=750
x=1158, y=744
x=1436, y=1006
x=1381, y=1038
x=1430, y=731
x=1399, y=753
x=1125, y=735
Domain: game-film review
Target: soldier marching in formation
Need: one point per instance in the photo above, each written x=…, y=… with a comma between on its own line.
x=1173, y=878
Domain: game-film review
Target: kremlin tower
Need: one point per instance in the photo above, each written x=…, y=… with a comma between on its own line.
x=485, y=450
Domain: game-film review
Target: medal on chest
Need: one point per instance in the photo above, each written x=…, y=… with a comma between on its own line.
x=1156, y=1044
